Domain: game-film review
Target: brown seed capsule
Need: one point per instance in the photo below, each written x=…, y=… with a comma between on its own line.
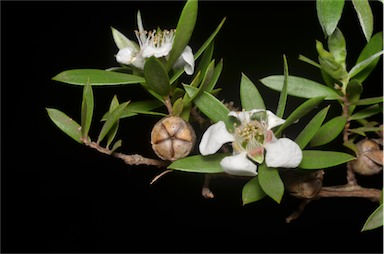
x=302, y=184
x=172, y=138
x=370, y=158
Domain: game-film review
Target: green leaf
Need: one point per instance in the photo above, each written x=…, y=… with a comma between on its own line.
x=329, y=64
x=369, y=101
x=271, y=182
x=138, y=107
x=86, y=110
x=215, y=76
x=113, y=131
x=252, y=191
x=111, y=120
x=354, y=90
x=156, y=76
x=116, y=145
x=329, y=131
x=205, y=61
x=283, y=95
x=96, y=77
x=200, y=51
x=362, y=130
x=177, y=107
x=337, y=46
x=209, y=105
x=367, y=112
x=364, y=64
x=65, y=123
x=199, y=163
x=300, y=87
x=375, y=220
x=299, y=112
x=123, y=42
x=317, y=159
x=374, y=46
x=364, y=13
x=184, y=31
x=309, y=61
x=249, y=95
x=329, y=14
x=311, y=128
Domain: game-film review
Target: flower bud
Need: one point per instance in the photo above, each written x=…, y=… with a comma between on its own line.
x=172, y=138
x=370, y=158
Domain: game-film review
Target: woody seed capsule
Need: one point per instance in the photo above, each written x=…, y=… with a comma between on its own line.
x=172, y=138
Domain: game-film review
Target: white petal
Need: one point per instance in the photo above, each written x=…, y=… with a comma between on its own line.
x=142, y=35
x=125, y=56
x=283, y=153
x=274, y=120
x=158, y=52
x=243, y=116
x=214, y=137
x=239, y=165
x=186, y=60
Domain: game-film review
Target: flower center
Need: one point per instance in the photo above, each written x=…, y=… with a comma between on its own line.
x=156, y=39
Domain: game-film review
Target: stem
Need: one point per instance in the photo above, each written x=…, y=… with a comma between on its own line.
x=350, y=191
x=168, y=104
x=134, y=159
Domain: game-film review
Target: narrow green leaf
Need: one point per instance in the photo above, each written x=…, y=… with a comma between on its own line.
x=329, y=64
x=337, y=46
x=362, y=130
x=329, y=131
x=375, y=220
x=364, y=13
x=111, y=119
x=369, y=101
x=178, y=106
x=329, y=14
x=138, y=107
x=116, y=145
x=374, y=46
x=283, y=95
x=309, y=61
x=200, y=51
x=123, y=42
x=367, y=112
x=199, y=163
x=252, y=191
x=317, y=159
x=209, y=105
x=113, y=131
x=184, y=31
x=156, y=76
x=299, y=112
x=300, y=87
x=249, y=95
x=96, y=77
x=311, y=128
x=354, y=90
x=204, y=83
x=205, y=61
x=215, y=76
x=364, y=64
x=86, y=110
x=65, y=123
x=271, y=182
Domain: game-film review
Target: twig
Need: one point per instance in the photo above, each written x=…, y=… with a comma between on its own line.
x=160, y=175
x=350, y=191
x=134, y=159
x=206, y=191
x=168, y=104
x=298, y=211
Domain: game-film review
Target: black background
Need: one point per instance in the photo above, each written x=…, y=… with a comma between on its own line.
x=59, y=196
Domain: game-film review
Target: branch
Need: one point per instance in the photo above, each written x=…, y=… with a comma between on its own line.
x=350, y=191
x=134, y=159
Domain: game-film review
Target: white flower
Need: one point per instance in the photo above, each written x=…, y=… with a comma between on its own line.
x=156, y=43
x=251, y=136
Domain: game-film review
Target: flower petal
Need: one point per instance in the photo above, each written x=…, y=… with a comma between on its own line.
x=125, y=56
x=239, y=165
x=186, y=60
x=214, y=137
x=158, y=52
x=243, y=116
x=274, y=120
x=283, y=153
